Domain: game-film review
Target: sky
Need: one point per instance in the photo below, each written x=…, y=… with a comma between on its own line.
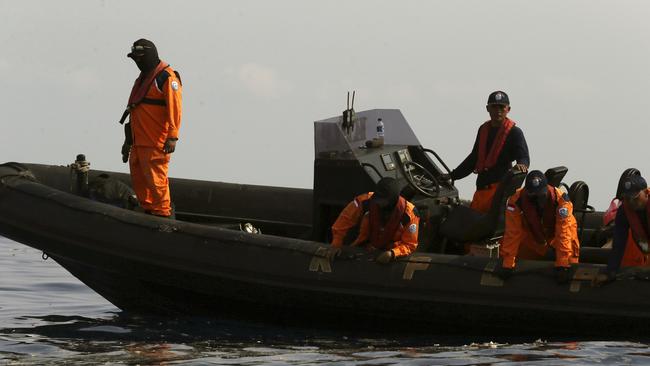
x=257, y=74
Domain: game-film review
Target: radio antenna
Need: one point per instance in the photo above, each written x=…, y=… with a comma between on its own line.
x=348, y=115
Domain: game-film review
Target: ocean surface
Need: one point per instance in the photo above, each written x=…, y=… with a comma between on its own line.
x=48, y=317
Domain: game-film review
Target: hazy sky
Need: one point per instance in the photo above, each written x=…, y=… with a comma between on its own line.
x=256, y=74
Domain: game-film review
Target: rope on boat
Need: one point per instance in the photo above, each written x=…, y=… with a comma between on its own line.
x=21, y=171
x=80, y=166
x=24, y=174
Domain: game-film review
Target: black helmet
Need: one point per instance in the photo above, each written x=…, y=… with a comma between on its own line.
x=386, y=192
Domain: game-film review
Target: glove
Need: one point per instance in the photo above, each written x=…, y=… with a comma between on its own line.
x=504, y=273
x=385, y=257
x=170, y=145
x=126, y=150
x=562, y=275
x=332, y=252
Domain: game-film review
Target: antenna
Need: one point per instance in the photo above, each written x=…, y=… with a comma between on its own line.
x=348, y=115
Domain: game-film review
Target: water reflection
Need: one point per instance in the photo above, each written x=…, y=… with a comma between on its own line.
x=194, y=341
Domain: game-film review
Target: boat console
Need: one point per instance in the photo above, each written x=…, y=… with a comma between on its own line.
x=350, y=158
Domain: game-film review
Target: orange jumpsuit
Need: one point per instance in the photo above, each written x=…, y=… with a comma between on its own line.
x=519, y=241
x=152, y=125
x=482, y=200
x=405, y=238
x=633, y=256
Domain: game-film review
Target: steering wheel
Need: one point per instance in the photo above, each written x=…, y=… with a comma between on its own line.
x=421, y=179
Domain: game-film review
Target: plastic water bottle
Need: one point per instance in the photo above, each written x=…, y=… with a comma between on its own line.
x=380, y=129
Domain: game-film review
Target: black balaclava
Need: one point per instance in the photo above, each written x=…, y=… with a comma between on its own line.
x=145, y=55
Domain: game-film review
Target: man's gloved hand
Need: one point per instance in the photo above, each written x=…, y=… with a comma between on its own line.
x=504, y=273
x=170, y=145
x=385, y=257
x=332, y=253
x=603, y=279
x=562, y=275
x=126, y=150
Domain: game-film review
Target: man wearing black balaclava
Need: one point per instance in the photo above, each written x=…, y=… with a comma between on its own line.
x=155, y=117
x=381, y=220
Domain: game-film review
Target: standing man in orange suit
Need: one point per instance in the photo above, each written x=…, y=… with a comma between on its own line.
x=539, y=223
x=155, y=118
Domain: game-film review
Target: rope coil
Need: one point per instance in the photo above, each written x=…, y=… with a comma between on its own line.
x=80, y=166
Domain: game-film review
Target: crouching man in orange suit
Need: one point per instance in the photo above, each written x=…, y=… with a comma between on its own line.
x=379, y=221
x=540, y=221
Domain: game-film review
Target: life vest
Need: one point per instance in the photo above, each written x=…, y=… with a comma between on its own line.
x=141, y=87
x=543, y=229
x=610, y=215
x=639, y=233
x=381, y=236
x=143, y=83
x=485, y=159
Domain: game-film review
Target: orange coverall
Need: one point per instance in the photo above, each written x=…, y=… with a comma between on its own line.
x=633, y=256
x=518, y=241
x=152, y=125
x=482, y=200
x=405, y=239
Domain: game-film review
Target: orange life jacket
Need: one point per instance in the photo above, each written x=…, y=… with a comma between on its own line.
x=542, y=228
x=381, y=236
x=158, y=116
x=485, y=159
x=610, y=215
x=143, y=83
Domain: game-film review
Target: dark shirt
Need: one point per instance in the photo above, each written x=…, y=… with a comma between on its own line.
x=514, y=149
x=621, y=230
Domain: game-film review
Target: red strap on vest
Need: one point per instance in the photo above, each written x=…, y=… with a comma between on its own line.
x=141, y=86
x=487, y=160
x=541, y=228
x=639, y=231
x=383, y=239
